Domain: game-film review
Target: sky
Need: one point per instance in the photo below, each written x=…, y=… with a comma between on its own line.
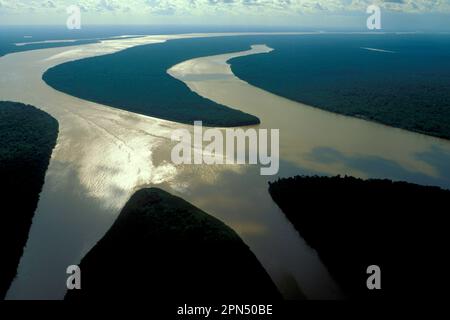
x=397, y=14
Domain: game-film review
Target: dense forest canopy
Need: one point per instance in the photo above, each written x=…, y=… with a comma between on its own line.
x=162, y=247
x=355, y=223
x=406, y=87
x=136, y=80
x=27, y=138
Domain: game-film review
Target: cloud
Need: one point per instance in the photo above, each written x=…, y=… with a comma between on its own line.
x=216, y=7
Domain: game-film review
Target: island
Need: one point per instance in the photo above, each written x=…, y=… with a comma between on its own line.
x=161, y=247
x=27, y=138
x=353, y=224
x=136, y=80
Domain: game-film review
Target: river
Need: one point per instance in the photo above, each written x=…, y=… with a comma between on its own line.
x=104, y=154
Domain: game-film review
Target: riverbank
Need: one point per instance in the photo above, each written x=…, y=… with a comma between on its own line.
x=401, y=81
x=27, y=138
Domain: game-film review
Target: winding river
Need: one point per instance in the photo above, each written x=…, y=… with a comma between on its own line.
x=104, y=154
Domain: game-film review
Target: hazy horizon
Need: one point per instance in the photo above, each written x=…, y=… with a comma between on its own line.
x=412, y=15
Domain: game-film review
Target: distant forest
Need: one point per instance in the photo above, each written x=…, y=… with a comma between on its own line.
x=162, y=247
x=407, y=89
x=27, y=138
x=355, y=223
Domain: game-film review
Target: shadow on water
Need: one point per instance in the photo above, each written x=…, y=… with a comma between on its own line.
x=240, y=198
x=379, y=167
x=439, y=159
x=67, y=223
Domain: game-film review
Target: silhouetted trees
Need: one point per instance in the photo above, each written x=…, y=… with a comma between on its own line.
x=161, y=247
x=354, y=223
x=27, y=138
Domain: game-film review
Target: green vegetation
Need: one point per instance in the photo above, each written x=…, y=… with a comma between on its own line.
x=416, y=107
x=408, y=89
x=136, y=80
x=27, y=138
x=163, y=247
x=355, y=223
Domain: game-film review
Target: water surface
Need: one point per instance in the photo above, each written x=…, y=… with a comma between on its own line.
x=103, y=155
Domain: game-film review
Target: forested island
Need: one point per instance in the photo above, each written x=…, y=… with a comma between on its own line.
x=27, y=138
x=136, y=80
x=355, y=223
x=161, y=247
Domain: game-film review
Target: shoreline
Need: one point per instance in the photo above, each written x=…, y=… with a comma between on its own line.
x=28, y=139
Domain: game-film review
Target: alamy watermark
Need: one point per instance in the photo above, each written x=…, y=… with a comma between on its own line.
x=374, y=280
x=374, y=20
x=73, y=281
x=74, y=19
x=236, y=146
